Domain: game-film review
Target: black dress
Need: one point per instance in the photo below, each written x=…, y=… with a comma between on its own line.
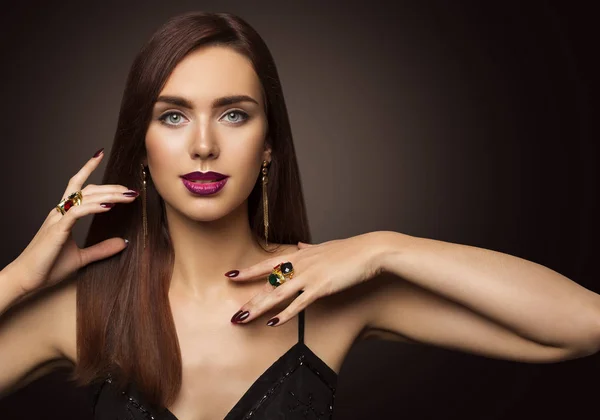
x=299, y=385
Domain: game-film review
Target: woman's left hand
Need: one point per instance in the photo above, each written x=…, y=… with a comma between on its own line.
x=319, y=270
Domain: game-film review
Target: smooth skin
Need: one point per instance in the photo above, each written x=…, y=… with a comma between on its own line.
x=378, y=285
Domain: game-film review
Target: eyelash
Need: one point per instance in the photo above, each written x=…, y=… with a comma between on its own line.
x=163, y=117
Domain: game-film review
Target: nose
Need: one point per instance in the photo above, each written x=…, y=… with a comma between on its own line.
x=204, y=143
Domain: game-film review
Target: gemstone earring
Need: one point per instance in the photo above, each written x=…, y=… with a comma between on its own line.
x=265, y=201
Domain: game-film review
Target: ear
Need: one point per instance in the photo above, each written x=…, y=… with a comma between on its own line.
x=267, y=154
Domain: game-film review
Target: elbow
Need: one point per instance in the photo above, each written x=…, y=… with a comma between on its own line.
x=594, y=341
x=588, y=343
x=579, y=337
x=582, y=350
x=593, y=346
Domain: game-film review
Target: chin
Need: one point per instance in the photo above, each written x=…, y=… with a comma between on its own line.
x=207, y=213
x=208, y=208
x=212, y=209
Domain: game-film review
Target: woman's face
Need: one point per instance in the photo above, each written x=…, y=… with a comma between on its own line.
x=209, y=117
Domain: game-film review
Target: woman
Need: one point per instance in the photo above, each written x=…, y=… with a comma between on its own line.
x=172, y=324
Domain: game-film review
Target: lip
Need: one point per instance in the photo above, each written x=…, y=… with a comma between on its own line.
x=204, y=188
x=204, y=176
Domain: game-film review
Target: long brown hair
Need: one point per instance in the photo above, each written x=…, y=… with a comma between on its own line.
x=125, y=327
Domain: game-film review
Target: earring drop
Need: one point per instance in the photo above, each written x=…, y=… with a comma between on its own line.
x=144, y=216
x=265, y=201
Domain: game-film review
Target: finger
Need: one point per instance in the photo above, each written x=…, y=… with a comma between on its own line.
x=259, y=270
x=112, y=197
x=103, y=189
x=267, y=299
x=94, y=199
x=65, y=224
x=293, y=309
x=102, y=250
x=77, y=180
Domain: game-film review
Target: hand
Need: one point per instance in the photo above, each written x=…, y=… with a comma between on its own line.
x=52, y=255
x=319, y=270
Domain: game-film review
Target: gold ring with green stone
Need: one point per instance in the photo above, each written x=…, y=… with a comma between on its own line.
x=281, y=273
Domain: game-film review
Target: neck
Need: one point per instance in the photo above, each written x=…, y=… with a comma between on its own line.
x=205, y=251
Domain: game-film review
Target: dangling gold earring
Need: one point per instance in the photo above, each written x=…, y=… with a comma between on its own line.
x=144, y=217
x=265, y=179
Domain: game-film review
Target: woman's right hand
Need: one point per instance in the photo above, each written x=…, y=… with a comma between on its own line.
x=53, y=255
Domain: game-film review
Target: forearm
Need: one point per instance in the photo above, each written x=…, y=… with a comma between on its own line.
x=528, y=298
x=10, y=289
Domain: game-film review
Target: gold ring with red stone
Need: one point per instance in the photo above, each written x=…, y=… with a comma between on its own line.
x=72, y=200
x=281, y=273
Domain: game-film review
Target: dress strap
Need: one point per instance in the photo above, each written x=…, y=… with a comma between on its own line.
x=301, y=323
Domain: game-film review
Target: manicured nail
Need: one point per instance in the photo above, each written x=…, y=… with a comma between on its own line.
x=107, y=205
x=273, y=321
x=240, y=316
x=131, y=193
x=232, y=273
x=98, y=152
x=234, y=317
x=126, y=242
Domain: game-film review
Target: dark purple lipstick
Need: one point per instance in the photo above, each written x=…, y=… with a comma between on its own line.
x=204, y=183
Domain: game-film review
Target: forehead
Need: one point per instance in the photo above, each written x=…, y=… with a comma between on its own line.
x=211, y=72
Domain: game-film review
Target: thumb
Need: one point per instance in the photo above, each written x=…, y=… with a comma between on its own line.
x=102, y=250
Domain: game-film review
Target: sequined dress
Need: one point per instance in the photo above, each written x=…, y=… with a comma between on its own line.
x=299, y=385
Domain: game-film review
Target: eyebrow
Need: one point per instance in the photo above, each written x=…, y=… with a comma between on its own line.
x=217, y=103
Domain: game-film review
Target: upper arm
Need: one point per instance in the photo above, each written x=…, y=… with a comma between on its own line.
x=398, y=309
x=33, y=336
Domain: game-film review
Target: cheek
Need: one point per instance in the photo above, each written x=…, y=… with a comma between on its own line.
x=244, y=159
x=245, y=147
x=163, y=159
x=160, y=151
x=153, y=144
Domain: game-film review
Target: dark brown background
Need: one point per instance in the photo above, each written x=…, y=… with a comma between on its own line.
x=451, y=120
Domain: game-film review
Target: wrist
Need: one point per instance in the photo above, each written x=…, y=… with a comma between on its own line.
x=389, y=246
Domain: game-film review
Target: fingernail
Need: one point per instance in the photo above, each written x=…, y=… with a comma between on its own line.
x=240, y=316
x=232, y=273
x=107, y=205
x=273, y=321
x=98, y=152
x=126, y=242
x=234, y=317
x=131, y=193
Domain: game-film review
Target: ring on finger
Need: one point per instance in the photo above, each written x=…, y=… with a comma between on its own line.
x=74, y=199
x=281, y=273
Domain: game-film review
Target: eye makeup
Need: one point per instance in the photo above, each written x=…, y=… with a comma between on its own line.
x=242, y=116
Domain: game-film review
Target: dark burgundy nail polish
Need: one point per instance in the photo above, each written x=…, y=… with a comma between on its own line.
x=234, y=317
x=107, y=205
x=98, y=152
x=131, y=193
x=232, y=273
x=273, y=321
x=241, y=316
